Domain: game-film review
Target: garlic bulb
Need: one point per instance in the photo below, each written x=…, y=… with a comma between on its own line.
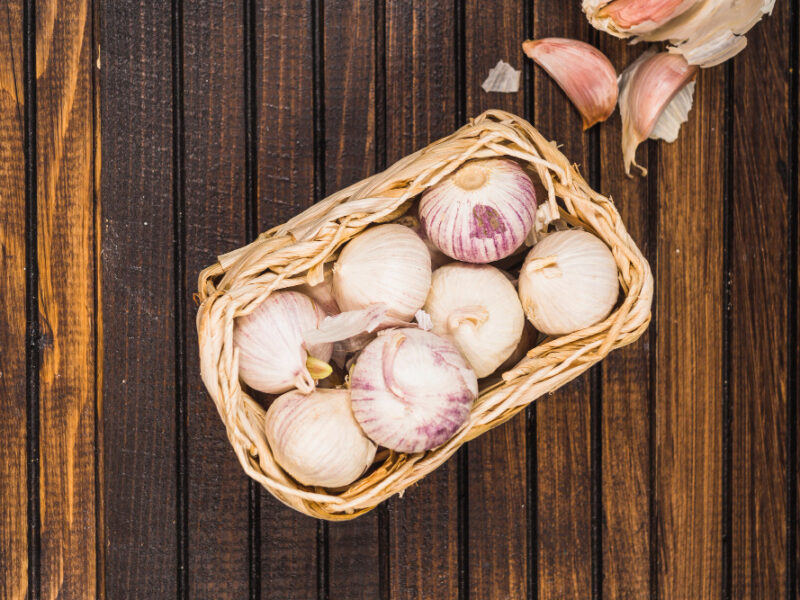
x=272, y=355
x=480, y=213
x=526, y=342
x=476, y=307
x=316, y=439
x=387, y=264
x=411, y=390
x=584, y=73
x=568, y=282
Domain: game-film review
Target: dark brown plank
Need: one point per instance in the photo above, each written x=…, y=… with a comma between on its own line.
x=285, y=187
x=213, y=100
x=626, y=385
x=420, y=108
x=759, y=259
x=349, y=75
x=563, y=452
x=689, y=350
x=13, y=413
x=138, y=301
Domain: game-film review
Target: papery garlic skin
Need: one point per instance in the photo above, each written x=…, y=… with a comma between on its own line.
x=476, y=307
x=411, y=390
x=272, y=354
x=386, y=264
x=316, y=439
x=568, y=281
x=322, y=293
x=584, y=73
x=481, y=212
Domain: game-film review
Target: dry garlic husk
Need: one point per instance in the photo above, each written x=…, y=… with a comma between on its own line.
x=322, y=292
x=584, y=73
x=481, y=212
x=655, y=98
x=386, y=264
x=316, y=439
x=568, y=282
x=273, y=357
x=476, y=307
x=411, y=390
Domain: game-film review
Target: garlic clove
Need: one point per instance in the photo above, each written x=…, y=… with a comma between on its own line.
x=647, y=87
x=318, y=369
x=584, y=73
x=641, y=16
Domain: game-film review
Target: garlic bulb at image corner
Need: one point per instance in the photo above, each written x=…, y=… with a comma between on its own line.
x=481, y=212
x=568, y=281
x=316, y=439
x=476, y=307
x=411, y=390
x=272, y=355
x=386, y=264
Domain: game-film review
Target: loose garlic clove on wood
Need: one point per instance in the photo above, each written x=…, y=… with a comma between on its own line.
x=584, y=73
x=642, y=16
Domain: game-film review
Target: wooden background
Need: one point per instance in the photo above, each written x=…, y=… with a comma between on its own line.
x=669, y=471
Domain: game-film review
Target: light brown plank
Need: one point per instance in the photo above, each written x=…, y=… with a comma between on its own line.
x=13, y=412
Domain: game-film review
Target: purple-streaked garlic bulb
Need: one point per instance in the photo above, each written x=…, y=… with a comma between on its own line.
x=411, y=390
x=386, y=264
x=316, y=439
x=273, y=357
x=481, y=212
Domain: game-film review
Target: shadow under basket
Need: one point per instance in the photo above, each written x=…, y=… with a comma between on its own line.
x=296, y=252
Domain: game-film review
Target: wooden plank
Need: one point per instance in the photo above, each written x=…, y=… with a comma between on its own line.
x=689, y=350
x=626, y=385
x=759, y=259
x=350, y=136
x=138, y=284
x=563, y=420
x=213, y=100
x=13, y=412
x=285, y=187
x=65, y=224
x=420, y=108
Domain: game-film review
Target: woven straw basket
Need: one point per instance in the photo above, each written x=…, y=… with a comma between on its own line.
x=295, y=253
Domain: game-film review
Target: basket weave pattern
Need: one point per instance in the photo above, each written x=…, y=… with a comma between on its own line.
x=296, y=252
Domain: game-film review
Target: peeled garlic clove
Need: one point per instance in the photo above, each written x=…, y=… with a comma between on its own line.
x=387, y=264
x=272, y=353
x=476, y=307
x=584, y=73
x=316, y=439
x=481, y=212
x=647, y=87
x=411, y=390
x=640, y=16
x=568, y=282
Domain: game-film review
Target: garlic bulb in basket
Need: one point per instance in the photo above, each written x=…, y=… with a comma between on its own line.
x=411, y=390
x=477, y=307
x=481, y=212
x=386, y=264
x=272, y=355
x=316, y=439
x=568, y=281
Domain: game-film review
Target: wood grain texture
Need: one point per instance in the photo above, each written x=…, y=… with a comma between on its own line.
x=626, y=383
x=420, y=108
x=759, y=304
x=564, y=484
x=285, y=187
x=350, y=137
x=66, y=246
x=13, y=411
x=139, y=459
x=213, y=100
x=689, y=350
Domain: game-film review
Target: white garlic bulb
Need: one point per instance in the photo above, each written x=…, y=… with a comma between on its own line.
x=411, y=390
x=481, y=212
x=477, y=307
x=316, y=439
x=386, y=264
x=568, y=281
x=272, y=355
